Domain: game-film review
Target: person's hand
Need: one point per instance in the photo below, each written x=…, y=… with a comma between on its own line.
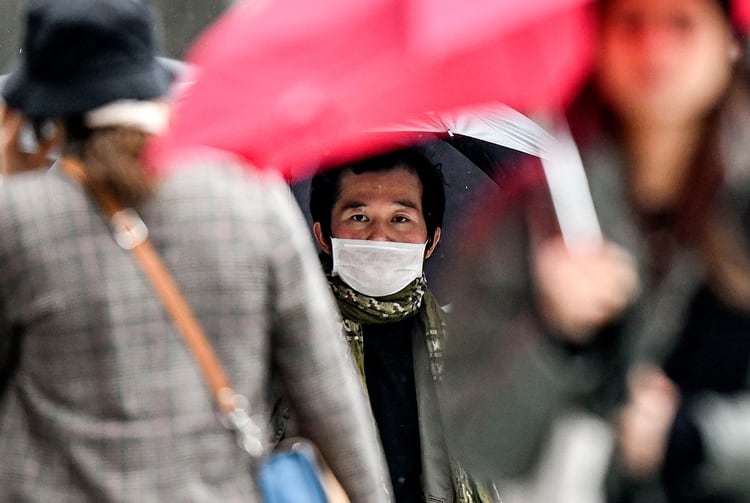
x=582, y=289
x=12, y=158
x=645, y=421
x=10, y=127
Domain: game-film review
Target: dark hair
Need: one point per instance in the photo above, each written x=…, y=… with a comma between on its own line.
x=326, y=186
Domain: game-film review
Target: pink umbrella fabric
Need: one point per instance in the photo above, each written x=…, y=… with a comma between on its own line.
x=741, y=15
x=282, y=83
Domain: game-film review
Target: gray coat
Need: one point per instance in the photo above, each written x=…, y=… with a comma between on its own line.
x=506, y=379
x=105, y=403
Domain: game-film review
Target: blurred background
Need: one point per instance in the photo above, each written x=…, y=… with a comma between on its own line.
x=178, y=22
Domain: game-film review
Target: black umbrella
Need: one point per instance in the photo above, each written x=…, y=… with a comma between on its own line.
x=489, y=135
x=477, y=149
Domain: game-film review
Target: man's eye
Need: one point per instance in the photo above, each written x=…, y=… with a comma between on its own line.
x=358, y=218
x=400, y=219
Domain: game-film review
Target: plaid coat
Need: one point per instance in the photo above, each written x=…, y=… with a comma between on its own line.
x=104, y=401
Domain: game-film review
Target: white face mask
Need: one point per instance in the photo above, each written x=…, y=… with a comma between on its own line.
x=377, y=268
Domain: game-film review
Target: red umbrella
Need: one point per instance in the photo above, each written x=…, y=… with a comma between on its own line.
x=741, y=15
x=282, y=82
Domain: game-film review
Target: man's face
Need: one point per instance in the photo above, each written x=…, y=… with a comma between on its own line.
x=379, y=206
x=665, y=61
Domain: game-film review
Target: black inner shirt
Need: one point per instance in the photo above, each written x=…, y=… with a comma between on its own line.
x=389, y=371
x=713, y=354
x=714, y=349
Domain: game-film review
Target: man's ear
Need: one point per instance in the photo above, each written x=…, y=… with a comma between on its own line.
x=433, y=243
x=320, y=238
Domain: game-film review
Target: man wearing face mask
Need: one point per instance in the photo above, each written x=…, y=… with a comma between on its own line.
x=377, y=220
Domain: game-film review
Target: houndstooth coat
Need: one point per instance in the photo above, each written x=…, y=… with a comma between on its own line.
x=104, y=402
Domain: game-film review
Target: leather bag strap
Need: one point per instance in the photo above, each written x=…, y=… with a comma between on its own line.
x=131, y=234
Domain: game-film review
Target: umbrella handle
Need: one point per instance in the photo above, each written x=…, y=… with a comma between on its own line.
x=568, y=185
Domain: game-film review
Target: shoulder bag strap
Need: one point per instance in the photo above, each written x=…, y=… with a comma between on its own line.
x=132, y=234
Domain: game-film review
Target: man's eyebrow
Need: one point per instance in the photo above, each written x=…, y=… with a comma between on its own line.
x=350, y=205
x=407, y=203
x=354, y=204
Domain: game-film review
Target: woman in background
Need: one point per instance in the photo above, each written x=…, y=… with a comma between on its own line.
x=663, y=130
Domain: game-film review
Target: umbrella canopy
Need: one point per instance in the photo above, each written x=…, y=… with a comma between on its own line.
x=477, y=149
x=741, y=15
x=486, y=135
x=281, y=82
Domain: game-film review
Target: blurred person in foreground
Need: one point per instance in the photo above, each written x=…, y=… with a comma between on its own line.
x=101, y=399
x=377, y=220
x=663, y=130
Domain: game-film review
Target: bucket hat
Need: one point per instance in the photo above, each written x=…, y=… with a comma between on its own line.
x=80, y=54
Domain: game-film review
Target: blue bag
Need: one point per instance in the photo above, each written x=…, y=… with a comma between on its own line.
x=291, y=476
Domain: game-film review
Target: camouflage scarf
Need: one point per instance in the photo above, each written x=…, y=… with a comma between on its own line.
x=415, y=299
